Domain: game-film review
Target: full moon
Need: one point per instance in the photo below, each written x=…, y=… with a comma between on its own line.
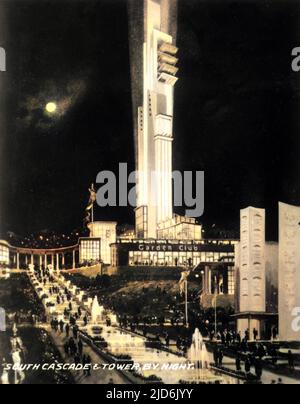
x=51, y=107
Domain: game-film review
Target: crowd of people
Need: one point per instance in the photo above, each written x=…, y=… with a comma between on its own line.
x=229, y=337
x=250, y=355
x=67, y=328
x=73, y=346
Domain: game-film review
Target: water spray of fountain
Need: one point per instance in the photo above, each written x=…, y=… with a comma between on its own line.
x=96, y=312
x=199, y=356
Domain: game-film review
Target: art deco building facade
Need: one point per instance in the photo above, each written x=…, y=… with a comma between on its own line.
x=153, y=26
x=289, y=272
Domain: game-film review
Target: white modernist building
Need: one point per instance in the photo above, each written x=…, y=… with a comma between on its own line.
x=289, y=272
x=153, y=25
x=97, y=247
x=106, y=232
x=251, y=266
x=256, y=267
x=4, y=253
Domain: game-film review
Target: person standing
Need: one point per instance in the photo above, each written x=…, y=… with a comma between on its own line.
x=77, y=359
x=221, y=357
x=61, y=326
x=167, y=340
x=56, y=325
x=238, y=363
x=84, y=363
x=291, y=361
x=66, y=348
x=80, y=348
x=247, y=366
x=258, y=368
x=89, y=363
x=67, y=330
x=216, y=356
x=280, y=381
x=75, y=332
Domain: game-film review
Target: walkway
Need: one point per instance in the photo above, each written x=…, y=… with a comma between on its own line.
x=267, y=377
x=97, y=376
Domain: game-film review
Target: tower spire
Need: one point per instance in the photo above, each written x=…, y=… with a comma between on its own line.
x=154, y=70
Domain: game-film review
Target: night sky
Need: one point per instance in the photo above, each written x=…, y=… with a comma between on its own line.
x=237, y=108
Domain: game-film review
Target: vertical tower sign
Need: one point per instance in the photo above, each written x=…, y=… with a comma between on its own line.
x=252, y=278
x=153, y=67
x=289, y=272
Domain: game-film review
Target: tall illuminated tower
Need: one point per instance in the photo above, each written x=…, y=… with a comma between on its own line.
x=153, y=26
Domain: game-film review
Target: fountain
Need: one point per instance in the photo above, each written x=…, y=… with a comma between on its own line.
x=31, y=268
x=5, y=377
x=199, y=356
x=97, y=311
x=17, y=349
x=113, y=318
x=198, y=353
x=80, y=296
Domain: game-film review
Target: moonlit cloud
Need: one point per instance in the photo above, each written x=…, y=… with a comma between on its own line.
x=32, y=111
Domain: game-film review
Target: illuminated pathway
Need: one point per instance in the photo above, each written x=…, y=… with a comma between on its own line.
x=97, y=377
x=57, y=311
x=120, y=342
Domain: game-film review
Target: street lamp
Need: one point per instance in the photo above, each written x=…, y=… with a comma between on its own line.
x=216, y=315
x=186, y=304
x=183, y=284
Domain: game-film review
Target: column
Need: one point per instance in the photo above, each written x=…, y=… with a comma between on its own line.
x=74, y=260
x=31, y=259
x=46, y=261
x=57, y=262
x=63, y=260
x=209, y=282
x=18, y=261
x=203, y=282
x=41, y=262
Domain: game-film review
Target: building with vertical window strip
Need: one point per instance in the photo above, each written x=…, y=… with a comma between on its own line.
x=4, y=253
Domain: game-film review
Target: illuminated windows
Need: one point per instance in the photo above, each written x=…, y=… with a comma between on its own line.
x=90, y=250
x=231, y=281
x=141, y=222
x=4, y=254
x=107, y=232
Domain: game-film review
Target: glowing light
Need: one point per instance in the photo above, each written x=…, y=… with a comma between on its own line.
x=51, y=107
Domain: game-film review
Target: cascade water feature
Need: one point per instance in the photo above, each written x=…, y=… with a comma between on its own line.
x=198, y=355
x=97, y=311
